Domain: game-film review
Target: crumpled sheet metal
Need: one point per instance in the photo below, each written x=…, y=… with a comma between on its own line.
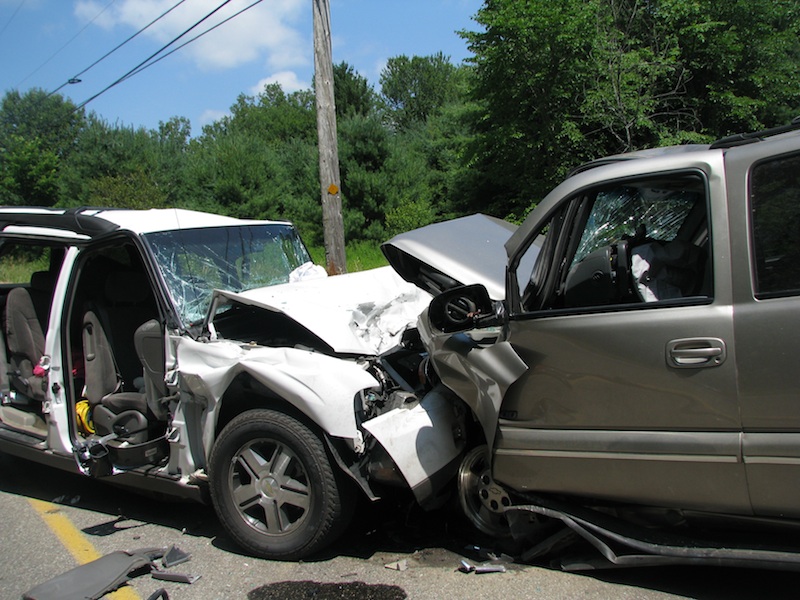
x=321, y=386
x=419, y=439
x=334, y=309
x=479, y=371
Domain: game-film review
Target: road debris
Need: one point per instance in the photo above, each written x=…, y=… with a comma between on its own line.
x=95, y=579
x=400, y=565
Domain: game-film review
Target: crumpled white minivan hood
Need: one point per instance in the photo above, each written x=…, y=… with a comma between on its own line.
x=335, y=309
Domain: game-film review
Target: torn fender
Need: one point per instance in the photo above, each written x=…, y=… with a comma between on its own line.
x=422, y=441
x=321, y=386
x=477, y=367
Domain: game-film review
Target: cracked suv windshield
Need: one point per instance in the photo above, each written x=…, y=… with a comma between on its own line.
x=196, y=261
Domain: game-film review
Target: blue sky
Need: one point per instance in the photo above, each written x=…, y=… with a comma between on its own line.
x=44, y=43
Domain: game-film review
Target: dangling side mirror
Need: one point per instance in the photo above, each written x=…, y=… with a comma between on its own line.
x=461, y=309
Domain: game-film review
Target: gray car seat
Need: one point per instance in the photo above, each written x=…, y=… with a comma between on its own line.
x=25, y=344
x=113, y=410
x=148, y=340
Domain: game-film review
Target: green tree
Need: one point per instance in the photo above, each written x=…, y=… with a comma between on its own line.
x=561, y=83
x=415, y=88
x=530, y=70
x=126, y=167
x=354, y=94
x=38, y=131
x=741, y=61
x=51, y=119
x=270, y=115
x=28, y=173
x=260, y=162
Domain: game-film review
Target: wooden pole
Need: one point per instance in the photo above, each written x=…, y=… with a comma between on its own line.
x=329, y=179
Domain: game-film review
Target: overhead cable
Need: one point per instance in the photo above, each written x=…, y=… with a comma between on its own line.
x=11, y=18
x=199, y=35
x=142, y=64
x=72, y=39
x=74, y=78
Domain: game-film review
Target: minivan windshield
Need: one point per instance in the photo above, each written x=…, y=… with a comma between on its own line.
x=193, y=262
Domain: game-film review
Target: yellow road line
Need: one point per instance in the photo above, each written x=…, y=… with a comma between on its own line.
x=75, y=542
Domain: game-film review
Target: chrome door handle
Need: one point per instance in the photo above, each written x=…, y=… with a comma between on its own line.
x=694, y=353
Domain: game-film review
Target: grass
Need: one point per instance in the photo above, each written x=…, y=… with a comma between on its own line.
x=360, y=256
x=19, y=269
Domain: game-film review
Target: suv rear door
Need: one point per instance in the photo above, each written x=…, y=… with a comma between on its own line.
x=626, y=399
x=764, y=197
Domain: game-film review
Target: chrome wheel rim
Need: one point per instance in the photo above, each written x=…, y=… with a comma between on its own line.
x=270, y=487
x=482, y=500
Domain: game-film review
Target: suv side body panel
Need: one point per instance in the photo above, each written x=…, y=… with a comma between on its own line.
x=766, y=325
x=605, y=410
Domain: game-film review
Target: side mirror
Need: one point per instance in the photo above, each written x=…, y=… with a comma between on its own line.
x=461, y=309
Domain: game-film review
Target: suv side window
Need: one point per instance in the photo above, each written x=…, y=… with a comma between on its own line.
x=775, y=222
x=633, y=241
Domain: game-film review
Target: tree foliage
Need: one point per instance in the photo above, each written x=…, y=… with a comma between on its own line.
x=38, y=132
x=564, y=82
x=550, y=85
x=415, y=88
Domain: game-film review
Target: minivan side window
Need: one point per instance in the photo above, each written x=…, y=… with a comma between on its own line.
x=775, y=223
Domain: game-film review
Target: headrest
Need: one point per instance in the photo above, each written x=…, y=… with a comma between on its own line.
x=43, y=281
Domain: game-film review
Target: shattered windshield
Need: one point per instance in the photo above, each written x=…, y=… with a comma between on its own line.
x=193, y=262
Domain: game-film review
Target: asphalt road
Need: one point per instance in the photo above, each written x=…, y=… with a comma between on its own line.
x=54, y=521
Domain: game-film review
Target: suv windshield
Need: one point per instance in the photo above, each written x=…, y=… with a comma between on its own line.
x=193, y=262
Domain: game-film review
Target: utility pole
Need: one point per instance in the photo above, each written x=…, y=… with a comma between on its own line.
x=329, y=179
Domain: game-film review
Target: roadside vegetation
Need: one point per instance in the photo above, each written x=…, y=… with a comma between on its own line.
x=550, y=85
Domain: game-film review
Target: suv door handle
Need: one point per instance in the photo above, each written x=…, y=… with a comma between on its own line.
x=695, y=353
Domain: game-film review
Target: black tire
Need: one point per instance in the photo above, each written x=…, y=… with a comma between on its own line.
x=274, y=487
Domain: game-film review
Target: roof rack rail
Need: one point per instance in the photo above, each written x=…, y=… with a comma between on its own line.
x=740, y=139
x=68, y=219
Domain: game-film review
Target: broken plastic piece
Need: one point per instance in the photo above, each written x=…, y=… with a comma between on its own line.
x=487, y=567
x=400, y=565
x=177, y=577
x=94, y=579
x=174, y=556
x=490, y=568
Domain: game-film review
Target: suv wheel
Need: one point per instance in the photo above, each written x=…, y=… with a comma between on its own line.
x=274, y=488
x=482, y=500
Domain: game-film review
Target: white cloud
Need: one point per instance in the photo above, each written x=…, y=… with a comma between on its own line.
x=287, y=79
x=269, y=31
x=210, y=115
x=379, y=67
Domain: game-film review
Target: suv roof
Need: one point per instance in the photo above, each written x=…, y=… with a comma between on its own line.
x=730, y=141
x=87, y=222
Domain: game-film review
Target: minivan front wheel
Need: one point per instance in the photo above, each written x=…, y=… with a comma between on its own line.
x=274, y=488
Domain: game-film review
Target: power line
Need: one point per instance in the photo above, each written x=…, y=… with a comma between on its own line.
x=199, y=35
x=11, y=18
x=72, y=39
x=140, y=66
x=74, y=78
